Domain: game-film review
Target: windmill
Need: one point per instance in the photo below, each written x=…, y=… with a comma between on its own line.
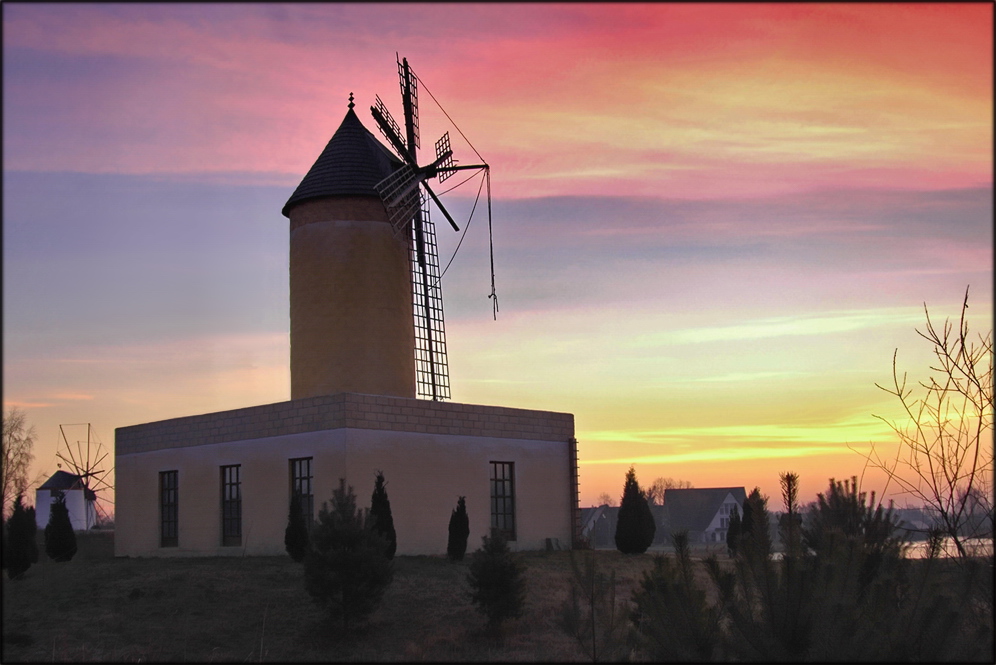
x=405, y=194
x=86, y=464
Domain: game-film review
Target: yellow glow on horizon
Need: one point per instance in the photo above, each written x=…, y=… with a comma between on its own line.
x=822, y=324
x=724, y=454
x=839, y=433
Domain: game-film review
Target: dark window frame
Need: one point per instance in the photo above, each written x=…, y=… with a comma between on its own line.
x=231, y=505
x=503, y=498
x=302, y=481
x=169, y=494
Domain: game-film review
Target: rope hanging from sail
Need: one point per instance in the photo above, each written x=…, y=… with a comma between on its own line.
x=493, y=296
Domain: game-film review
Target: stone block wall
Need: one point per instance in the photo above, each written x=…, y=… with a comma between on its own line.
x=345, y=410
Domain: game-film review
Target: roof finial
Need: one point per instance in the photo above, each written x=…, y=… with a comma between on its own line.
x=351, y=105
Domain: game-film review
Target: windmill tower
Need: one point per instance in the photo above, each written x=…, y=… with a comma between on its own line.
x=365, y=300
x=367, y=340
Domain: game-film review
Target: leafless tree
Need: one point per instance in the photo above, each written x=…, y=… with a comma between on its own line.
x=655, y=493
x=945, y=454
x=18, y=440
x=605, y=499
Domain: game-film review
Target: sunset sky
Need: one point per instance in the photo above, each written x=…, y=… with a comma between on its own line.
x=713, y=224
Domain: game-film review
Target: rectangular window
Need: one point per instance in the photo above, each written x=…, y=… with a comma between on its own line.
x=503, y=498
x=168, y=487
x=300, y=476
x=231, y=505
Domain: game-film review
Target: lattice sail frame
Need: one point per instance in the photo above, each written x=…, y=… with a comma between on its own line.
x=400, y=194
x=443, y=147
x=409, y=97
x=432, y=378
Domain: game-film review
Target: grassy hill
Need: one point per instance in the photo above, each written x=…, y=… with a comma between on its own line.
x=98, y=608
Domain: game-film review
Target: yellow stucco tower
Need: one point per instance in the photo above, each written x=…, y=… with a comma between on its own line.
x=352, y=328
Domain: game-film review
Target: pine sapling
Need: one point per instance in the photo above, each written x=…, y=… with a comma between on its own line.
x=459, y=531
x=60, y=539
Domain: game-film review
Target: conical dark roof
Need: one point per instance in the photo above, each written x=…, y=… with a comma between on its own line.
x=351, y=164
x=62, y=480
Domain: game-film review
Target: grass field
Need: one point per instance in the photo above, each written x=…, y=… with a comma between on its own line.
x=98, y=608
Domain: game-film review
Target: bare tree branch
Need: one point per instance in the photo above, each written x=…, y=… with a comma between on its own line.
x=18, y=440
x=945, y=453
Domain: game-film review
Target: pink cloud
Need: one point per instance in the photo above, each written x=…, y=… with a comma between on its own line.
x=666, y=100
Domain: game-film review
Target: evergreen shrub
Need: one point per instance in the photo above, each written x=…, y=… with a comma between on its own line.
x=459, y=531
x=347, y=569
x=635, y=527
x=498, y=587
x=20, y=549
x=60, y=539
x=296, y=538
x=380, y=512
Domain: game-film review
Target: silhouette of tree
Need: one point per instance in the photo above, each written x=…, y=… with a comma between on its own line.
x=945, y=454
x=635, y=526
x=497, y=582
x=459, y=531
x=347, y=569
x=20, y=549
x=380, y=511
x=18, y=441
x=296, y=539
x=655, y=493
x=60, y=539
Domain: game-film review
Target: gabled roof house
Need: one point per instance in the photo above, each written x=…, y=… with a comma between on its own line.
x=704, y=513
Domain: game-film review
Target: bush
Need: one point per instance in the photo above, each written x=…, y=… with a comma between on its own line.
x=635, y=527
x=845, y=602
x=851, y=598
x=296, y=539
x=347, y=569
x=591, y=614
x=733, y=532
x=755, y=539
x=31, y=526
x=496, y=580
x=459, y=529
x=673, y=621
x=20, y=549
x=842, y=508
x=380, y=512
x=60, y=539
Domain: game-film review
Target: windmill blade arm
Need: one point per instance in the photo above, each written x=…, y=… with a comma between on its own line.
x=463, y=167
x=392, y=136
x=409, y=98
x=460, y=167
x=431, y=170
x=439, y=205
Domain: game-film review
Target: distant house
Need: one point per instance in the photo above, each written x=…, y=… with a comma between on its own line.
x=704, y=513
x=79, y=500
x=598, y=525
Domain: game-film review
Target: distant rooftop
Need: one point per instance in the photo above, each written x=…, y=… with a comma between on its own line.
x=693, y=509
x=63, y=480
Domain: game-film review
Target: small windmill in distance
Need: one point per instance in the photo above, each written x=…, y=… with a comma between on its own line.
x=86, y=465
x=404, y=196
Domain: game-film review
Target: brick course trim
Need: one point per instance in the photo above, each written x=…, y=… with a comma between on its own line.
x=345, y=410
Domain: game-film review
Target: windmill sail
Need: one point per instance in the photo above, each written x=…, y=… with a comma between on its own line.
x=405, y=194
x=88, y=467
x=432, y=379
